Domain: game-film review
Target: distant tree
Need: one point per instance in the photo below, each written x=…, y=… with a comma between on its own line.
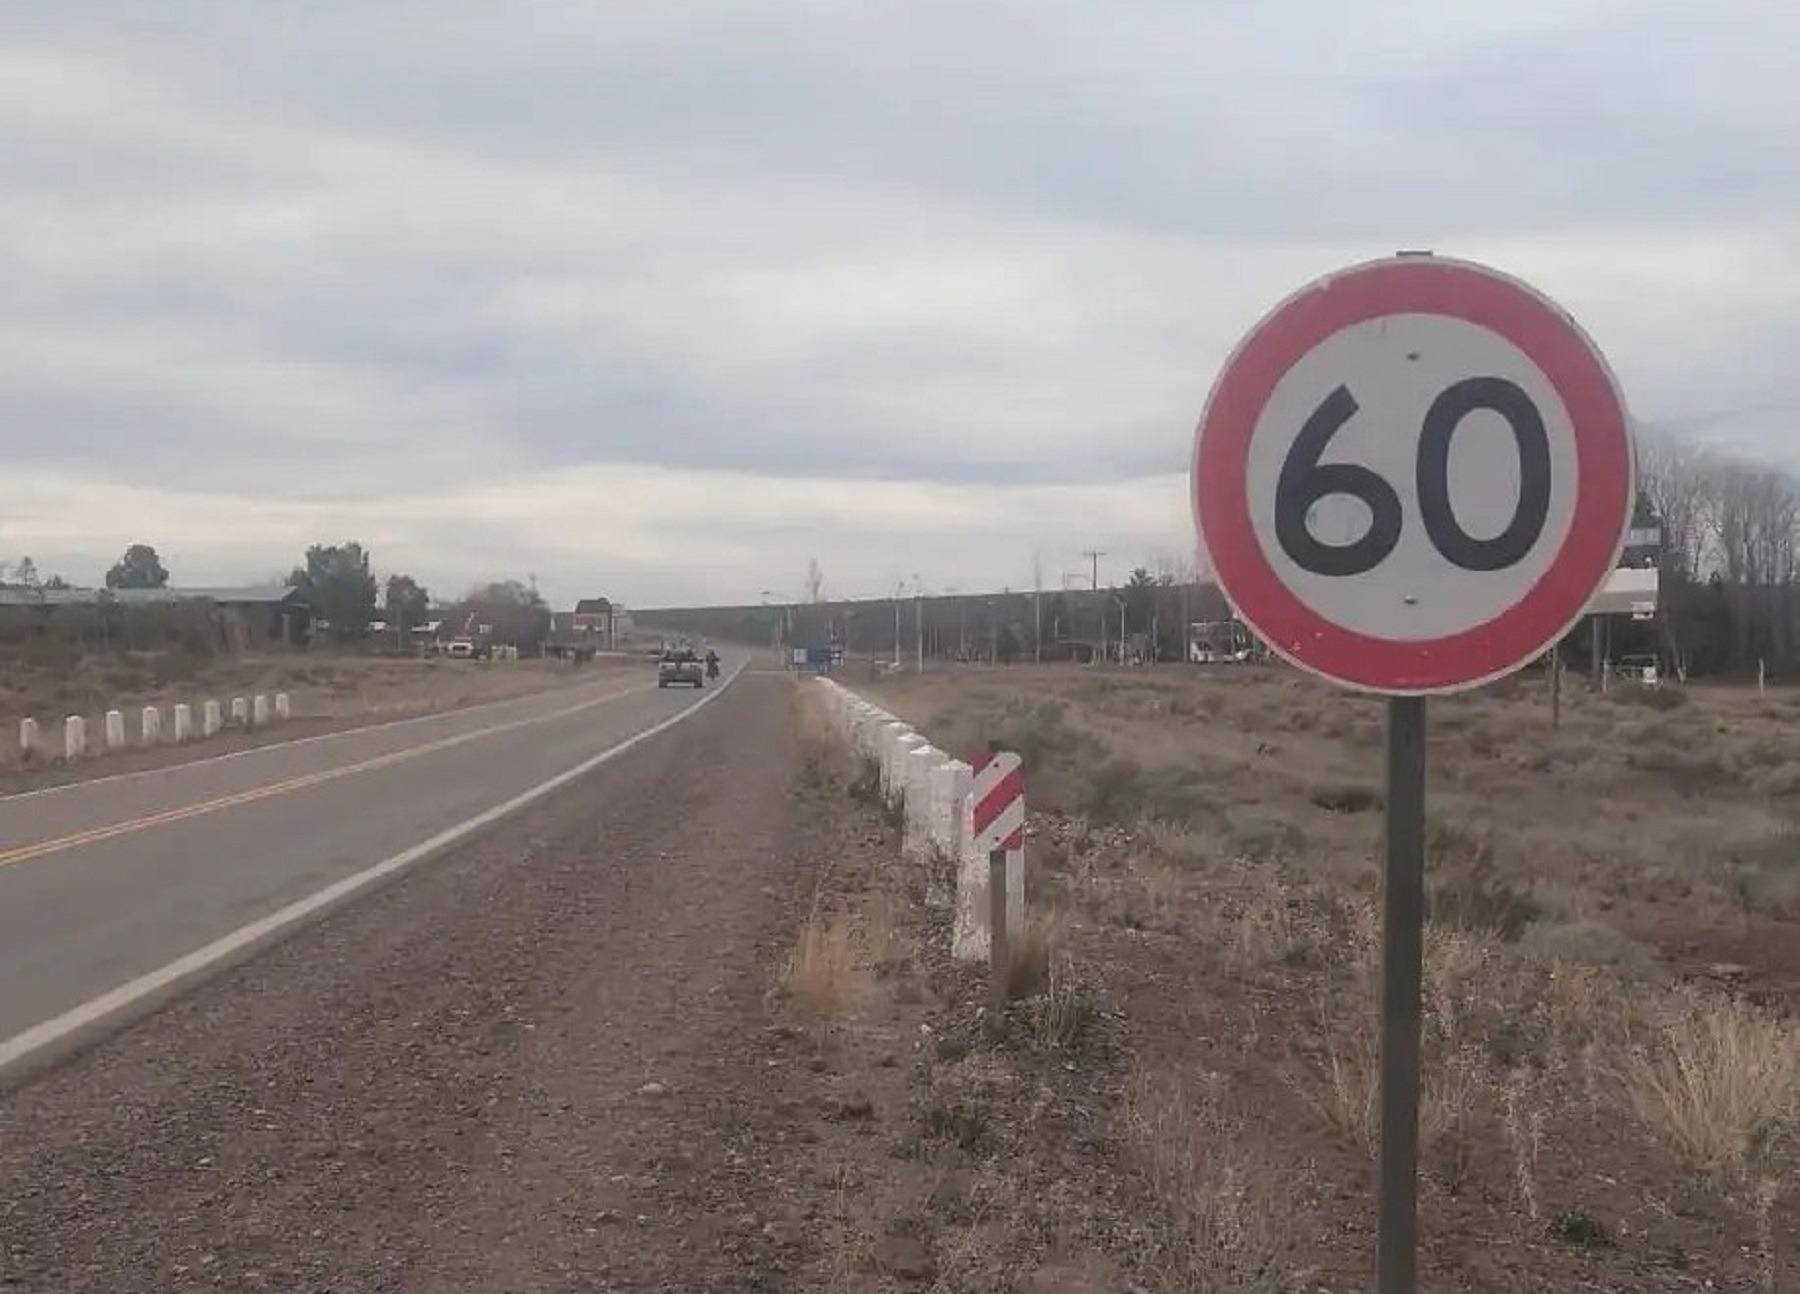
x=1006, y=645
x=407, y=604
x=515, y=612
x=1140, y=600
x=1056, y=619
x=139, y=568
x=337, y=581
x=56, y=582
x=25, y=574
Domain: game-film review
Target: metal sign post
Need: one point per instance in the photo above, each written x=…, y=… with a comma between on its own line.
x=1402, y=993
x=1347, y=485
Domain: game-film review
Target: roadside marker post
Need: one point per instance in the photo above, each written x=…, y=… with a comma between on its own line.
x=997, y=828
x=1411, y=477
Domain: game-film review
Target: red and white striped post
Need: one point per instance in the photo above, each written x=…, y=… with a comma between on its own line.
x=997, y=821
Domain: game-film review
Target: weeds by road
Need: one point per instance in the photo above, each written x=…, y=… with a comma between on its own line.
x=1613, y=1067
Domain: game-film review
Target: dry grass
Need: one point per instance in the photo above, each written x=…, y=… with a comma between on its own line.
x=823, y=973
x=1718, y=1084
x=1231, y=1208
x=823, y=757
x=1601, y=895
x=1032, y=953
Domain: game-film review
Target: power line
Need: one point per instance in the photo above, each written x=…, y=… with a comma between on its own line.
x=1723, y=414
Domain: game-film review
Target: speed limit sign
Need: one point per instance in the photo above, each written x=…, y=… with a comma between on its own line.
x=1413, y=475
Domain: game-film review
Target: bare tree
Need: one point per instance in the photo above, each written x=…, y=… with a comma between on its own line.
x=1678, y=480
x=1730, y=554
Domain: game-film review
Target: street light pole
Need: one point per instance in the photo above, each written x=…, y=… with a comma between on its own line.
x=898, y=590
x=918, y=624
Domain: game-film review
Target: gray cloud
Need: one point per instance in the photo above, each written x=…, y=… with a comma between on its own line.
x=352, y=252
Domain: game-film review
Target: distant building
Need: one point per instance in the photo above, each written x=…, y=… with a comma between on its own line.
x=1634, y=586
x=593, y=615
x=594, y=625
x=269, y=612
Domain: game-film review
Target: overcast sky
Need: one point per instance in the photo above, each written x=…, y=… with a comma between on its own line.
x=658, y=300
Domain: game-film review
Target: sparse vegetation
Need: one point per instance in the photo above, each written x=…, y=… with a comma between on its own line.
x=822, y=972
x=1612, y=1064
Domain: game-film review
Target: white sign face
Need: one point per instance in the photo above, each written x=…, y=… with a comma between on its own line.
x=1395, y=368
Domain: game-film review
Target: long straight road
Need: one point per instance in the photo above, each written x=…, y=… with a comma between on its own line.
x=115, y=891
x=538, y=1062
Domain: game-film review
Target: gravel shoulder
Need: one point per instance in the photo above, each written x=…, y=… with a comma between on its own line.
x=539, y=1063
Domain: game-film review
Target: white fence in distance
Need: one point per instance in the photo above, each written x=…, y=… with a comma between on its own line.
x=930, y=791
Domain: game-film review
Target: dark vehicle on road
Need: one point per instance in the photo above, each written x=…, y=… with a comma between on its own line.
x=680, y=665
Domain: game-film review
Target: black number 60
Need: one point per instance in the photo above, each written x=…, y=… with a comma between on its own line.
x=1304, y=480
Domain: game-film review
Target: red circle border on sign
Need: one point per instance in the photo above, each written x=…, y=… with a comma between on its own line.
x=1605, y=475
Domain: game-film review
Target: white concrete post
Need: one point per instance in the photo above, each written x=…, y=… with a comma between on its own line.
x=864, y=735
x=283, y=709
x=212, y=719
x=949, y=787
x=915, y=838
x=74, y=737
x=900, y=764
x=184, y=723
x=889, y=742
x=115, y=729
x=152, y=726
x=260, y=710
x=28, y=738
x=240, y=712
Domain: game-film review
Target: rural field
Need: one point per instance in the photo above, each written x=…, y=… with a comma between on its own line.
x=1181, y=1097
x=326, y=688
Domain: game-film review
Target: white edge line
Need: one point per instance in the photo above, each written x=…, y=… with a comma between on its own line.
x=77, y=1021
x=386, y=724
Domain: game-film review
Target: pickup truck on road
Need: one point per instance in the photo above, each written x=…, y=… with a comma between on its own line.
x=681, y=665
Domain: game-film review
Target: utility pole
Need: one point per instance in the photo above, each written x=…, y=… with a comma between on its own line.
x=1037, y=609
x=1094, y=555
x=898, y=590
x=918, y=624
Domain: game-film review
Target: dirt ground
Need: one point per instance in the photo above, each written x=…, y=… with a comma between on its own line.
x=326, y=691
x=1613, y=1063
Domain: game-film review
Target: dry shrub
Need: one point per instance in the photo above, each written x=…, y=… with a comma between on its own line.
x=1717, y=1082
x=1231, y=1220
x=1343, y=1089
x=1061, y=1012
x=822, y=973
x=1031, y=953
x=822, y=756
x=1268, y=931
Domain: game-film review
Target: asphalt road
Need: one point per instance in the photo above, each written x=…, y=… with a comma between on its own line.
x=540, y=1062
x=105, y=883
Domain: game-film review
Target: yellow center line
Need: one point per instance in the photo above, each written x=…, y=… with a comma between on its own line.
x=94, y=835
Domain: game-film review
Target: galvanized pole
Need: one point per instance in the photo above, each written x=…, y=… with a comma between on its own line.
x=998, y=954
x=1402, y=975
